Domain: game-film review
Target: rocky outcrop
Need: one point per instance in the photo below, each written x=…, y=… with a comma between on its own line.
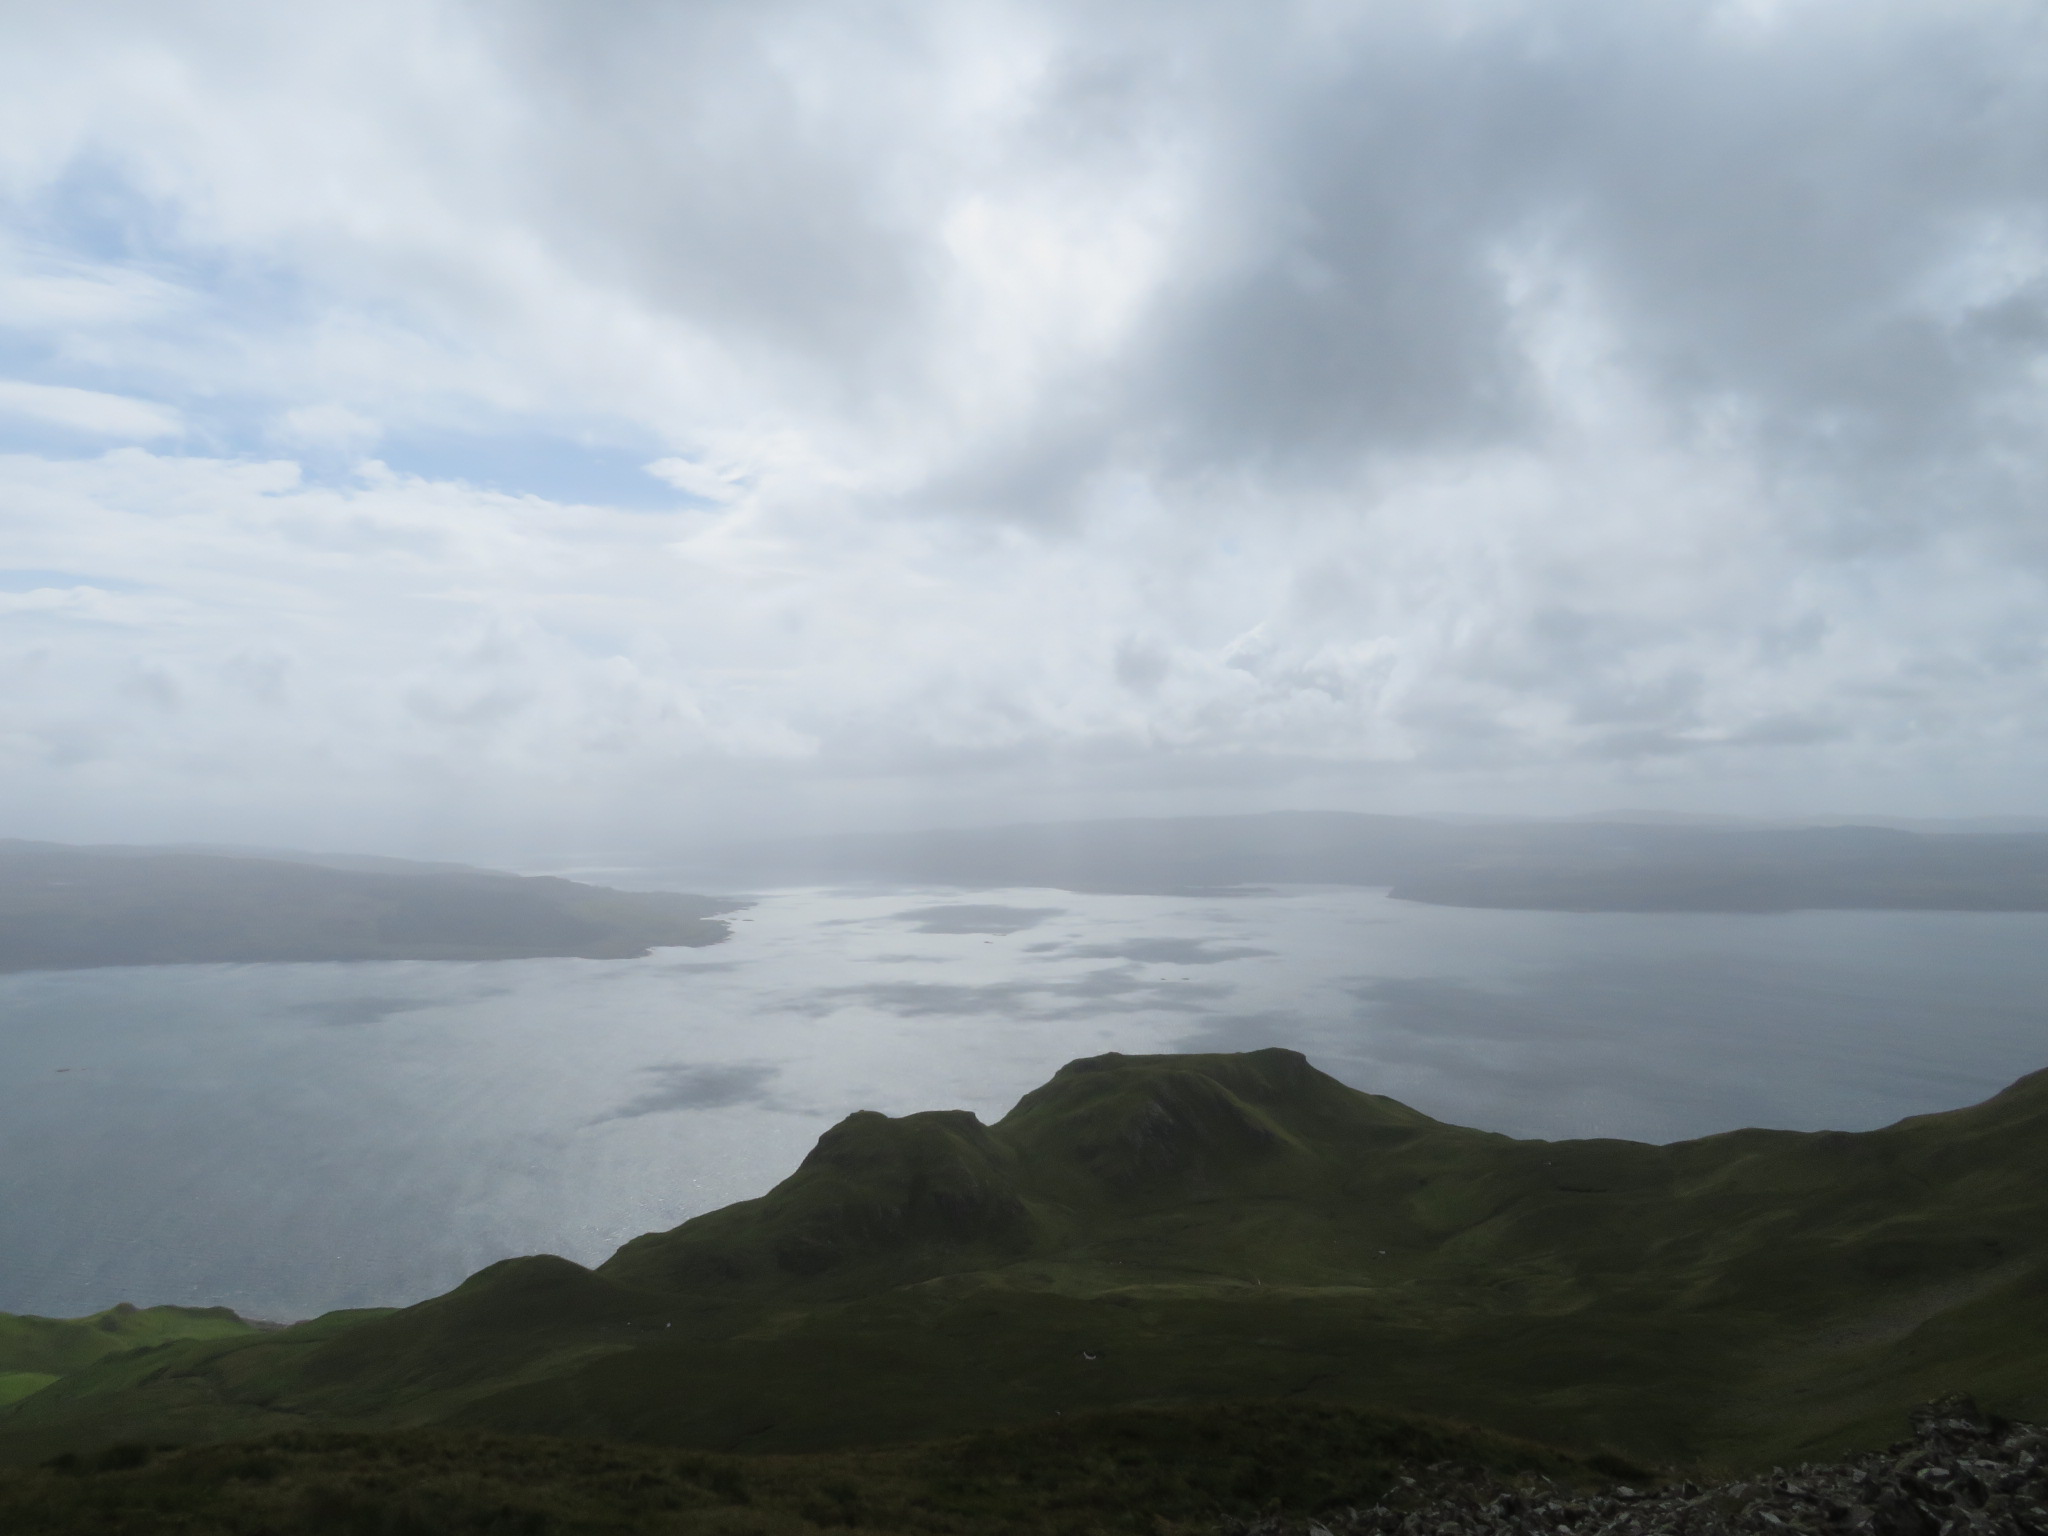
x=1962, y=1474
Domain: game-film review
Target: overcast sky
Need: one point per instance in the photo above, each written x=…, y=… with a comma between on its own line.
x=524, y=428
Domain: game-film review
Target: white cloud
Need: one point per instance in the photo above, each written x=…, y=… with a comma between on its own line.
x=1104, y=407
x=327, y=426
x=700, y=480
x=40, y=291
x=88, y=410
x=416, y=641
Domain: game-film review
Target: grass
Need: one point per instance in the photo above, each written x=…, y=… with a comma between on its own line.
x=1148, y=1470
x=1207, y=1229
x=15, y=1385
x=54, y=1346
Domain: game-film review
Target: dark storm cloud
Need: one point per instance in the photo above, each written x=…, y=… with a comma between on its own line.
x=1762, y=198
x=1777, y=214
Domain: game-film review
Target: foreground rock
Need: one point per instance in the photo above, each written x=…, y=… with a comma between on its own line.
x=1962, y=1474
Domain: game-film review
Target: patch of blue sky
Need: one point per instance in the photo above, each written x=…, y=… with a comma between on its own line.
x=35, y=355
x=94, y=217
x=95, y=213
x=540, y=464
x=224, y=428
x=29, y=580
x=52, y=430
x=26, y=354
x=522, y=461
x=47, y=439
x=92, y=224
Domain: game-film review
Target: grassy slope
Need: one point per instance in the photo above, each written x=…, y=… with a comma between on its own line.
x=15, y=1385
x=1208, y=1228
x=57, y=1345
x=38, y=1351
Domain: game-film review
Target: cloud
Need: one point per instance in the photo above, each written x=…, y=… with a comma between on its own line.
x=88, y=410
x=327, y=426
x=40, y=289
x=1072, y=410
x=699, y=480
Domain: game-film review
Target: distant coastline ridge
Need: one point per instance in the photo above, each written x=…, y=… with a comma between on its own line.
x=1603, y=864
x=64, y=908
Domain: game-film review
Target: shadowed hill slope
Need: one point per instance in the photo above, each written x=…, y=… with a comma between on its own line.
x=1195, y=1228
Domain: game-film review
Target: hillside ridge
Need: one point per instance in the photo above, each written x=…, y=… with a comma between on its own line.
x=1196, y=1228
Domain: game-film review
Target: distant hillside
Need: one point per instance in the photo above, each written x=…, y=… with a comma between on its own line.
x=35, y=1351
x=1207, y=1229
x=63, y=908
x=1604, y=866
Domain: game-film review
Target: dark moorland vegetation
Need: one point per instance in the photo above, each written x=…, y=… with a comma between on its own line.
x=1206, y=1230
x=1152, y=1471
x=65, y=908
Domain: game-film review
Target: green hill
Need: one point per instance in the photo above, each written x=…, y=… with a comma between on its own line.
x=36, y=1351
x=1210, y=1229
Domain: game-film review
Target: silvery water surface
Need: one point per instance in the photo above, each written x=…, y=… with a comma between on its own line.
x=284, y=1139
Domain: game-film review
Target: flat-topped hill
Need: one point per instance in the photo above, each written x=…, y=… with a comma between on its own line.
x=1204, y=1229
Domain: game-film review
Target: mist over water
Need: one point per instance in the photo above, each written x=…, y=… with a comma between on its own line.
x=285, y=1139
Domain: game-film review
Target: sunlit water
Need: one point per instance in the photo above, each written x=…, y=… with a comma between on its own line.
x=288, y=1138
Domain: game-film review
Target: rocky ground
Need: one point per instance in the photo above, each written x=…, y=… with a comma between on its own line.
x=1962, y=1474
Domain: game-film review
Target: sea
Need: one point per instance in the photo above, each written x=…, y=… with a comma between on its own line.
x=289, y=1139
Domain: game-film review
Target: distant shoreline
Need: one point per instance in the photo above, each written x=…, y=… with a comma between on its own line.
x=64, y=908
x=1578, y=866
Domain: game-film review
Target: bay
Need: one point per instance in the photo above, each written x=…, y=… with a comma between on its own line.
x=285, y=1139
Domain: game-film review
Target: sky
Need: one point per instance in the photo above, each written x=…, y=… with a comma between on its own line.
x=527, y=430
